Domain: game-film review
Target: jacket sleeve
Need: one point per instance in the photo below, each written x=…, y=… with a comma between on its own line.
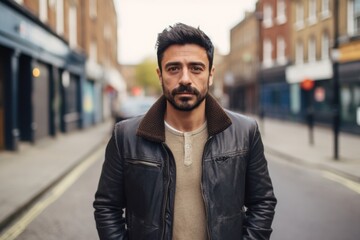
x=260, y=200
x=109, y=197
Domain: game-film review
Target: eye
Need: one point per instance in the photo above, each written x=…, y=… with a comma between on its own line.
x=197, y=68
x=173, y=69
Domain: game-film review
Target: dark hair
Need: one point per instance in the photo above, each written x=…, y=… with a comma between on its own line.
x=182, y=34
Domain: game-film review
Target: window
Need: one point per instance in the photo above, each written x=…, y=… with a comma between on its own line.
x=357, y=16
x=43, y=10
x=268, y=12
x=299, y=11
x=52, y=3
x=295, y=98
x=93, y=8
x=325, y=9
x=281, y=12
x=60, y=17
x=73, y=26
x=107, y=32
x=325, y=46
x=299, y=53
x=93, y=51
x=312, y=50
x=267, y=61
x=353, y=21
x=281, y=59
x=1, y=97
x=312, y=12
x=350, y=103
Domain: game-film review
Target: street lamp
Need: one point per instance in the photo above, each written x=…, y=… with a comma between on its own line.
x=336, y=97
x=260, y=17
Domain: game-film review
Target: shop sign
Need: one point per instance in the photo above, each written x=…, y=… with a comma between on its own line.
x=319, y=94
x=349, y=52
x=41, y=38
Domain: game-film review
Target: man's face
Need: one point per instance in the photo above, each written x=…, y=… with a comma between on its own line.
x=185, y=76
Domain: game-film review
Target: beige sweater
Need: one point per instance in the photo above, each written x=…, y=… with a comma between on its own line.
x=189, y=210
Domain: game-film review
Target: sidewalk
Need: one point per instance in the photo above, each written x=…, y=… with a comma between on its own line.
x=30, y=172
x=26, y=174
x=290, y=141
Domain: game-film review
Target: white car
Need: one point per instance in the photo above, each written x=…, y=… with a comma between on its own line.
x=134, y=106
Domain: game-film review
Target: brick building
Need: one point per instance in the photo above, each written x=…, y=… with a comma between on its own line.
x=58, y=70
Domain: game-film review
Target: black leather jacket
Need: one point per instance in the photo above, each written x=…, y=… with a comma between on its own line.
x=139, y=175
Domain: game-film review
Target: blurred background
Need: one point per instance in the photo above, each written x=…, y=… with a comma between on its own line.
x=69, y=69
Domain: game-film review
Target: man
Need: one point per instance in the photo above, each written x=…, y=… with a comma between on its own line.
x=188, y=169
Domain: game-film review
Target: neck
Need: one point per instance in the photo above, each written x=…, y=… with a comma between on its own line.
x=185, y=121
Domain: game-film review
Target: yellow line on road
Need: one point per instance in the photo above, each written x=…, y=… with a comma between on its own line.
x=354, y=186
x=17, y=228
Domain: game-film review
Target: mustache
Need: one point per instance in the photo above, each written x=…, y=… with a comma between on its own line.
x=184, y=89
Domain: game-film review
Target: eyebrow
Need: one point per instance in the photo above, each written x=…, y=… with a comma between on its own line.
x=169, y=64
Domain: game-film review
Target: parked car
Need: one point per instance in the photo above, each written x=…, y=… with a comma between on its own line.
x=134, y=106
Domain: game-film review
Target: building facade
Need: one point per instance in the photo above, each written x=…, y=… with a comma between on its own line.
x=243, y=63
x=312, y=34
x=349, y=64
x=276, y=44
x=45, y=87
x=218, y=88
x=104, y=84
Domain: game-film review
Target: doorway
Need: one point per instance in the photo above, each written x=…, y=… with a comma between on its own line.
x=2, y=112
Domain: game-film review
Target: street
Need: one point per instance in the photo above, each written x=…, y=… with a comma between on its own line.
x=310, y=207
x=71, y=216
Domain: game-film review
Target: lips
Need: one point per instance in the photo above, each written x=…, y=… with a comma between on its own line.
x=185, y=93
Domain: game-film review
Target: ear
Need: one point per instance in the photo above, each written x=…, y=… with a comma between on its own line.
x=159, y=74
x=211, y=76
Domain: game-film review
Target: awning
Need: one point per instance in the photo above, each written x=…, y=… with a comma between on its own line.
x=94, y=70
x=115, y=80
x=315, y=70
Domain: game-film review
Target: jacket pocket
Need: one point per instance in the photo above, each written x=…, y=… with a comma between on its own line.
x=140, y=229
x=229, y=227
x=143, y=163
x=232, y=156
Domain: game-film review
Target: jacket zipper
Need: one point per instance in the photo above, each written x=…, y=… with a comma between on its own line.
x=150, y=164
x=166, y=192
x=202, y=191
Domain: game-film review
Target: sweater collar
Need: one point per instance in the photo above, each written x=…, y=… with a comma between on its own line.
x=152, y=125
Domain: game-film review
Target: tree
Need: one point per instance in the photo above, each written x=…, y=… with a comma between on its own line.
x=146, y=76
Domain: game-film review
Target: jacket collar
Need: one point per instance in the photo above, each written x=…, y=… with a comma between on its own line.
x=152, y=125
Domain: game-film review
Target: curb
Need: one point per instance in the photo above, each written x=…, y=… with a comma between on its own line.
x=320, y=166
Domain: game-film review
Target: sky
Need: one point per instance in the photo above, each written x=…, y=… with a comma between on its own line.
x=140, y=21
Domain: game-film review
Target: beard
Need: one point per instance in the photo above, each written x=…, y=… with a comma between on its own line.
x=184, y=103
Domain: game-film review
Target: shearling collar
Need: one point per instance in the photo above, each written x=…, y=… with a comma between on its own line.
x=152, y=125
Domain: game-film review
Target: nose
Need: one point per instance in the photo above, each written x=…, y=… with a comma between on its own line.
x=185, y=77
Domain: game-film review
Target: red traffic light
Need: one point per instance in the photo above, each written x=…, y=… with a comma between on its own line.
x=307, y=84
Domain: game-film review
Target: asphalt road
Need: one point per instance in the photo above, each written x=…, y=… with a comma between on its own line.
x=310, y=207
x=70, y=217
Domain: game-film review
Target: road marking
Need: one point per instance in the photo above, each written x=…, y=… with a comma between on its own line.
x=20, y=225
x=354, y=186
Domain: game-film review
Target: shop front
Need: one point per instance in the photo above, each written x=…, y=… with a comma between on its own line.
x=36, y=102
x=349, y=78
x=92, y=93
x=315, y=100
x=274, y=93
x=2, y=130
x=350, y=96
